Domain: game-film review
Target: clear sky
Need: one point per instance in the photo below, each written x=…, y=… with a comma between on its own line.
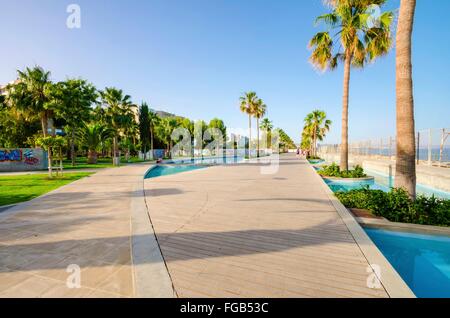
x=195, y=58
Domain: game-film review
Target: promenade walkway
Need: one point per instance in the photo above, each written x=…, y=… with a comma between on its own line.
x=233, y=232
x=225, y=231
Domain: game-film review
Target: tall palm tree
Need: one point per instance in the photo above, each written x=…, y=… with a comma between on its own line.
x=247, y=106
x=259, y=112
x=361, y=38
x=267, y=126
x=31, y=95
x=405, y=176
x=316, y=126
x=117, y=107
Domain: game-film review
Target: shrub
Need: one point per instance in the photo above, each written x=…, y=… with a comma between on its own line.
x=334, y=170
x=396, y=206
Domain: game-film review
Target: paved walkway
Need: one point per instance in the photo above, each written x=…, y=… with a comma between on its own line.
x=86, y=223
x=223, y=231
x=234, y=232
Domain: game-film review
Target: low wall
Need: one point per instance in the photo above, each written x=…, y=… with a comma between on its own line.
x=434, y=177
x=23, y=159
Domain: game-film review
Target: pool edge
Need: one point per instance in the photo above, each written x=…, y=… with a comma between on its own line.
x=392, y=282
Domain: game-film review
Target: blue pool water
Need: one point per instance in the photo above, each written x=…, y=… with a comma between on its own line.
x=423, y=261
x=166, y=170
x=207, y=160
x=383, y=183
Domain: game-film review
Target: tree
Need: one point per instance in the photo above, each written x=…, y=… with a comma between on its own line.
x=285, y=142
x=144, y=128
x=153, y=121
x=267, y=126
x=247, y=106
x=31, y=95
x=362, y=38
x=219, y=124
x=72, y=101
x=405, y=176
x=165, y=129
x=259, y=112
x=91, y=138
x=117, y=107
x=316, y=127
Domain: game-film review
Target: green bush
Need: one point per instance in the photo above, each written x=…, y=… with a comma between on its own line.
x=313, y=158
x=396, y=206
x=334, y=170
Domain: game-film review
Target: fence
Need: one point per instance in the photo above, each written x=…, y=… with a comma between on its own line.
x=432, y=146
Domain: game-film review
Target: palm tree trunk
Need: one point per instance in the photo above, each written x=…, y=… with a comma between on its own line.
x=314, y=142
x=72, y=147
x=44, y=122
x=257, y=128
x=250, y=135
x=151, y=142
x=114, y=149
x=345, y=99
x=405, y=176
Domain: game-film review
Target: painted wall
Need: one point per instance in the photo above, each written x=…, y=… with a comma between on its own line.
x=23, y=159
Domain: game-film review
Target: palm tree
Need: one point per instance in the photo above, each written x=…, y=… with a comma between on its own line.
x=118, y=106
x=91, y=137
x=405, y=176
x=267, y=126
x=247, y=106
x=316, y=127
x=259, y=112
x=31, y=95
x=165, y=130
x=361, y=38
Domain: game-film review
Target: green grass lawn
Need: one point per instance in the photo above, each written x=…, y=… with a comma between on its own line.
x=81, y=163
x=15, y=189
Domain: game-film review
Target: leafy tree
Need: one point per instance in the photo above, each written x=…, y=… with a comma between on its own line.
x=144, y=128
x=361, y=39
x=72, y=101
x=153, y=122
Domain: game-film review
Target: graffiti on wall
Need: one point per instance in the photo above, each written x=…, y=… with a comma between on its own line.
x=11, y=155
x=30, y=158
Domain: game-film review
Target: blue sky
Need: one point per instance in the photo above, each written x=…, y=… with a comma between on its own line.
x=195, y=58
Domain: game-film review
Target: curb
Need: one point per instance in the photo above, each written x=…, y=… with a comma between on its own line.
x=151, y=278
x=392, y=282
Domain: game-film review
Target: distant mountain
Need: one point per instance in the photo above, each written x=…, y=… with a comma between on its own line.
x=164, y=114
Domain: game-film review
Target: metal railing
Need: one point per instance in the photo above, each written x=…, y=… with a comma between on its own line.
x=432, y=146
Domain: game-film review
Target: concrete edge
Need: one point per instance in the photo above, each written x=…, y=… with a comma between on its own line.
x=404, y=227
x=394, y=285
x=151, y=278
x=348, y=179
